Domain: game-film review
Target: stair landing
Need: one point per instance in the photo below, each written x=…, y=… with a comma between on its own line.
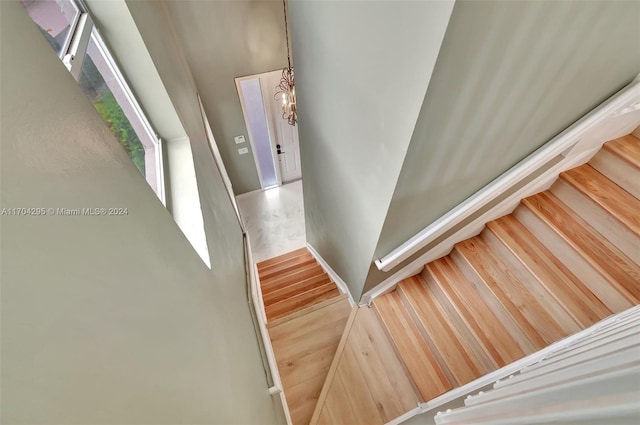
x=367, y=383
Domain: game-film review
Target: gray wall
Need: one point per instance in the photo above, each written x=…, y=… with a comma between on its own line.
x=362, y=70
x=509, y=77
x=223, y=40
x=111, y=319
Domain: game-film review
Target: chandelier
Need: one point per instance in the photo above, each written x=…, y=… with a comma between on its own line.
x=286, y=89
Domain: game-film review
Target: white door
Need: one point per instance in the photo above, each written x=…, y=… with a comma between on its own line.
x=285, y=136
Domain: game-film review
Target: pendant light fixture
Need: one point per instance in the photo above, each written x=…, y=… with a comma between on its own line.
x=286, y=90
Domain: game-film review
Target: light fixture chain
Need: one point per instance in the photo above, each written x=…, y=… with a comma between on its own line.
x=286, y=32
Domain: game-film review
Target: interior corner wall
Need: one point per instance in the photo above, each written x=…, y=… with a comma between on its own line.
x=510, y=77
x=109, y=319
x=223, y=40
x=362, y=69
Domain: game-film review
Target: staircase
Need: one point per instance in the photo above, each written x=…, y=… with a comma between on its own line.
x=563, y=260
x=293, y=282
x=306, y=316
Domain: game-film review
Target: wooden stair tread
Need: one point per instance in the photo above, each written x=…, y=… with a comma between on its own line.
x=603, y=222
x=465, y=334
x=626, y=147
x=295, y=288
x=606, y=194
x=616, y=267
x=530, y=316
x=568, y=290
x=433, y=320
x=283, y=267
x=479, y=316
x=572, y=259
x=290, y=278
x=419, y=362
x=623, y=173
x=301, y=301
x=527, y=277
x=280, y=258
x=313, y=307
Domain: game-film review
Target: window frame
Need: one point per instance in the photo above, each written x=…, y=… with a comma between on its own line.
x=83, y=30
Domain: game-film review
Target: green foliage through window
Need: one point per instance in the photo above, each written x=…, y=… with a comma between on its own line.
x=104, y=101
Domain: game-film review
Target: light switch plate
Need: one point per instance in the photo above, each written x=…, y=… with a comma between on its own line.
x=242, y=151
x=239, y=139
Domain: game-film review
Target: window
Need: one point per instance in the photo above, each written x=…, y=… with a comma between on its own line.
x=72, y=34
x=55, y=19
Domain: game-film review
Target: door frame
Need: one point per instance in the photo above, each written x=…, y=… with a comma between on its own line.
x=269, y=117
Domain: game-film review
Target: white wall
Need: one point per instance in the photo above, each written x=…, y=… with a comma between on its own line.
x=362, y=70
x=184, y=195
x=110, y=320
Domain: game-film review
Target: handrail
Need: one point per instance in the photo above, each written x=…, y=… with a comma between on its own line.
x=623, y=101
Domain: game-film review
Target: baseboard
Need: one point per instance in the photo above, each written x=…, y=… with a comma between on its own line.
x=390, y=283
x=341, y=284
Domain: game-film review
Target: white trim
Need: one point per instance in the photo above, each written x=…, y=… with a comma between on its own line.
x=570, y=142
x=77, y=47
x=217, y=159
x=67, y=43
x=156, y=147
x=258, y=305
x=406, y=416
x=512, y=368
x=341, y=284
x=390, y=283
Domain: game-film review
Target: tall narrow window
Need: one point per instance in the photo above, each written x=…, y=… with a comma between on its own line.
x=71, y=33
x=99, y=84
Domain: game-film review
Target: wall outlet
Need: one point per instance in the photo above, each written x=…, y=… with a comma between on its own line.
x=242, y=151
x=239, y=139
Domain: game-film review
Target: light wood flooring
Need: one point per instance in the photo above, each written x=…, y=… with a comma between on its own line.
x=563, y=260
x=367, y=383
x=306, y=316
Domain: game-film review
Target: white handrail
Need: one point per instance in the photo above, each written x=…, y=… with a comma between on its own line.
x=623, y=101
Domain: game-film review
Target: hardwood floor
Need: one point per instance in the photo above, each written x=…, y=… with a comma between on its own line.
x=304, y=345
x=367, y=383
x=563, y=260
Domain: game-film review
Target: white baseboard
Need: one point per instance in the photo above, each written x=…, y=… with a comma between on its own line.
x=342, y=286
